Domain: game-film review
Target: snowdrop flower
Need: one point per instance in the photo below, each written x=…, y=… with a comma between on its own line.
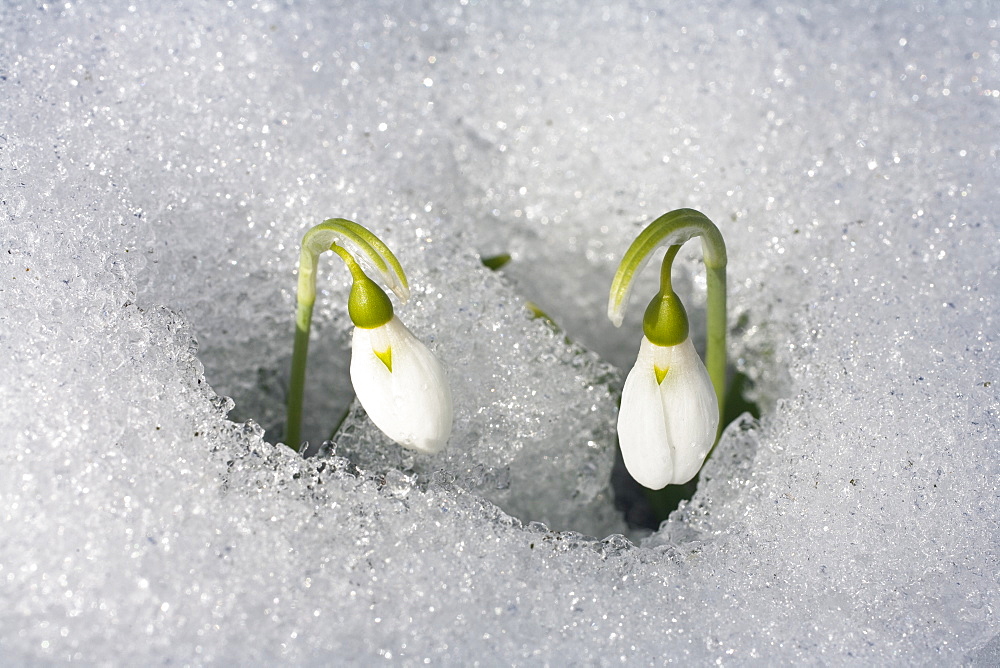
x=670, y=409
x=401, y=385
x=669, y=415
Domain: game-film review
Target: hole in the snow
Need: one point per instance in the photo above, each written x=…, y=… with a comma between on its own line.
x=642, y=509
x=518, y=490
x=328, y=391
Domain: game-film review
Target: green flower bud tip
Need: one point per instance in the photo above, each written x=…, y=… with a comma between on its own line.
x=665, y=322
x=368, y=305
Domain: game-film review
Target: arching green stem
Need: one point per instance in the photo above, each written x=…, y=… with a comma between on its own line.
x=354, y=244
x=666, y=266
x=673, y=229
x=715, y=325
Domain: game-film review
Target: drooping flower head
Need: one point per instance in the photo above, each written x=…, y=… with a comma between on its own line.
x=399, y=382
x=669, y=414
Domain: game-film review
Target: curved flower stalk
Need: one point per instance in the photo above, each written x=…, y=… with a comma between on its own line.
x=399, y=382
x=669, y=416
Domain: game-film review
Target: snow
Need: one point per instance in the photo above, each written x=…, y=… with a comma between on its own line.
x=158, y=168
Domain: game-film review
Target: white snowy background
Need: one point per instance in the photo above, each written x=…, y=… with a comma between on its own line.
x=159, y=166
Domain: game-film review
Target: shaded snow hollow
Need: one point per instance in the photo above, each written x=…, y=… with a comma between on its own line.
x=158, y=168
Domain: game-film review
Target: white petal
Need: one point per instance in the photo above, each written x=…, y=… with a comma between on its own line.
x=690, y=408
x=666, y=429
x=642, y=430
x=412, y=403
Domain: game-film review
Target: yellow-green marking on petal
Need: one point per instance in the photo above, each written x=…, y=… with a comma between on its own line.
x=661, y=373
x=385, y=356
